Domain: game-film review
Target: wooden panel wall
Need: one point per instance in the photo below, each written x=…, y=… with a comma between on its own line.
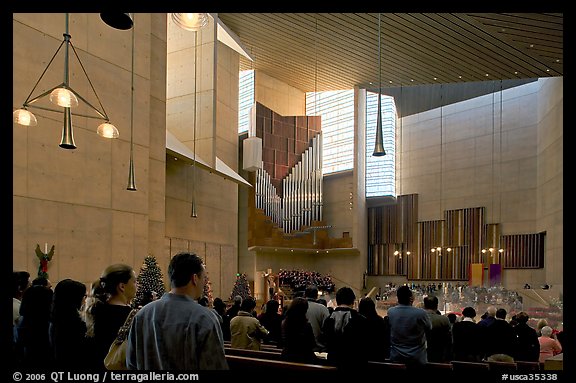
x=463, y=231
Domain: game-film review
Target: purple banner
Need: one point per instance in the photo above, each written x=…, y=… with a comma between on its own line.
x=495, y=273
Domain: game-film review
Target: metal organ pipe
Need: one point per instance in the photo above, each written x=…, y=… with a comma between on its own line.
x=301, y=203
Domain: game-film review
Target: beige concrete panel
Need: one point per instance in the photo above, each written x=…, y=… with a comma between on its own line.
x=177, y=218
x=158, y=68
x=141, y=235
x=178, y=245
x=518, y=111
x=227, y=151
x=217, y=192
x=336, y=198
x=20, y=159
x=551, y=127
x=47, y=162
x=229, y=268
x=550, y=161
x=157, y=131
x=53, y=24
x=278, y=96
x=31, y=52
x=97, y=180
x=122, y=199
x=177, y=173
x=157, y=243
x=459, y=154
x=212, y=261
x=159, y=25
x=553, y=201
x=142, y=113
x=519, y=205
x=181, y=73
x=519, y=143
x=157, y=193
x=180, y=118
x=551, y=93
x=207, y=67
x=21, y=250
x=509, y=227
x=199, y=248
x=516, y=279
x=123, y=240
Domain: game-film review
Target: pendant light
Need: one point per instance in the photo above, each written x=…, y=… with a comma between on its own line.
x=64, y=96
x=131, y=174
x=379, y=143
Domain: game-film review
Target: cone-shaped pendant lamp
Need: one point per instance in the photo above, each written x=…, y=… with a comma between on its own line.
x=131, y=174
x=379, y=143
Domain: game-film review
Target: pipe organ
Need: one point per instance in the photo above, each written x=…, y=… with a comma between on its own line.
x=301, y=201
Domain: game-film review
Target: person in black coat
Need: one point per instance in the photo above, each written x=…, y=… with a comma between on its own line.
x=378, y=341
x=528, y=345
x=468, y=338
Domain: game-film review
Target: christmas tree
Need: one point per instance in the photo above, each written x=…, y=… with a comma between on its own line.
x=208, y=289
x=241, y=287
x=149, y=282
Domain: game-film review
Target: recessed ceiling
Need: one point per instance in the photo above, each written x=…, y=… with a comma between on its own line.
x=332, y=51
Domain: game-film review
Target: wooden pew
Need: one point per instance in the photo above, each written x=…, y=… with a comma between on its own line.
x=435, y=366
x=237, y=362
x=502, y=366
x=528, y=366
x=460, y=365
x=268, y=355
x=385, y=366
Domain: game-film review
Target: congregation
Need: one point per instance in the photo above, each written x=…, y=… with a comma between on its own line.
x=72, y=326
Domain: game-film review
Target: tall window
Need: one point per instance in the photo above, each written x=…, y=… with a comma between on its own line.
x=337, y=111
x=245, y=99
x=380, y=171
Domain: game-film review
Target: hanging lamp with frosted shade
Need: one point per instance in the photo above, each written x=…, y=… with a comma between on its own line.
x=24, y=117
x=379, y=142
x=190, y=21
x=66, y=98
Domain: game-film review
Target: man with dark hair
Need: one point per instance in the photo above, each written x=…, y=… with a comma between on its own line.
x=439, y=339
x=175, y=332
x=344, y=333
x=408, y=328
x=316, y=314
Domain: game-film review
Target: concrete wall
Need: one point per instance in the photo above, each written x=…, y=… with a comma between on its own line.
x=213, y=234
x=278, y=96
x=550, y=184
x=516, y=175
x=77, y=199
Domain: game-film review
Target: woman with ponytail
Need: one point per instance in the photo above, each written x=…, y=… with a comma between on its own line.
x=109, y=306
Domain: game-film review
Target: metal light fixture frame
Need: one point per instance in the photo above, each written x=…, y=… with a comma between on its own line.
x=67, y=141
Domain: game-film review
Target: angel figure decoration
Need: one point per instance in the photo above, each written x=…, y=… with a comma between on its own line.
x=44, y=258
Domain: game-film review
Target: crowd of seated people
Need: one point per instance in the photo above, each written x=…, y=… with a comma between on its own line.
x=73, y=327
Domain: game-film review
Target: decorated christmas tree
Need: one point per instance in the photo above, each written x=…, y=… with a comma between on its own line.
x=149, y=281
x=241, y=287
x=208, y=290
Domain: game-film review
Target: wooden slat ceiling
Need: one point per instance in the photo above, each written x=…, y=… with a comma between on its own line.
x=331, y=51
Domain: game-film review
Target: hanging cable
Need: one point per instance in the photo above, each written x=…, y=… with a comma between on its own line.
x=193, y=214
